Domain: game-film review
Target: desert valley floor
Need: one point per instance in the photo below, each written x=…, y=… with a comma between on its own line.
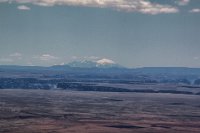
x=61, y=111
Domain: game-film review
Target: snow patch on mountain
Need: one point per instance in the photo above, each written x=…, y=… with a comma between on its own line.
x=105, y=61
x=101, y=63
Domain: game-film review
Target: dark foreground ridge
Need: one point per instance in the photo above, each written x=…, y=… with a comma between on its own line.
x=32, y=83
x=174, y=80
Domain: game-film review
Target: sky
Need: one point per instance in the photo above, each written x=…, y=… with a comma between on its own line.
x=132, y=33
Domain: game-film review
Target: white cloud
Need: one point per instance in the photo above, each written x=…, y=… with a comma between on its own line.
x=46, y=57
x=142, y=6
x=183, y=2
x=75, y=57
x=16, y=56
x=195, y=10
x=6, y=60
x=29, y=64
x=62, y=63
x=85, y=58
x=91, y=57
x=12, y=57
x=196, y=58
x=23, y=7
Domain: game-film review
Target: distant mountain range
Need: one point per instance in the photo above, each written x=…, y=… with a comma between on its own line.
x=102, y=63
x=104, y=66
x=104, y=70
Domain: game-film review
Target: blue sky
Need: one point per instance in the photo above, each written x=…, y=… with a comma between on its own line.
x=133, y=33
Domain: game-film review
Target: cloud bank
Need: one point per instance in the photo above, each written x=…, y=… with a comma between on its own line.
x=141, y=6
x=12, y=57
x=46, y=57
x=23, y=7
x=16, y=56
x=183, y=2
x=6, y=60
x=195, y=10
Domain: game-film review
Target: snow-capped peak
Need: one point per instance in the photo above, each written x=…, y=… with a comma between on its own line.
x=105, y=61
x=101, y=63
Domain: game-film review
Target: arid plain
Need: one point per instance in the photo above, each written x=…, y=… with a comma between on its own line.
x=61, y=111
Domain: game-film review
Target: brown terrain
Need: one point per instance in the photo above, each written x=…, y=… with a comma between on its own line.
x=57, y=111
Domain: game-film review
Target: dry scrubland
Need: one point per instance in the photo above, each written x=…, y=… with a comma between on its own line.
x=48, y=111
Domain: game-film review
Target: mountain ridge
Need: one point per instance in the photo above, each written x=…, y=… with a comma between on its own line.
x=113, y=69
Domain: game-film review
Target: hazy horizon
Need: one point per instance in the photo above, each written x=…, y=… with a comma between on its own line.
x=132, y=33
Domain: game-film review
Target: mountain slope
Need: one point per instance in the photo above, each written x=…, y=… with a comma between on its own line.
x=102, y=63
